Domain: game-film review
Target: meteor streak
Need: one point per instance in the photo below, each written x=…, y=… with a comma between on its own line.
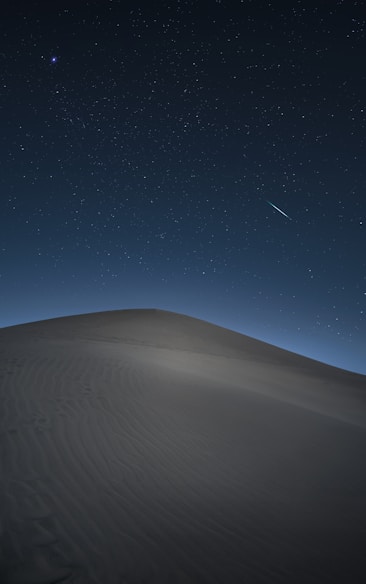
x=279, y=210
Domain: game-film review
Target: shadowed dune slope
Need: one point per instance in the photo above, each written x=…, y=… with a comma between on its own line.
x=147, y=446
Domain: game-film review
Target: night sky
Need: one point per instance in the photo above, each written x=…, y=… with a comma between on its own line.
x=205, y=157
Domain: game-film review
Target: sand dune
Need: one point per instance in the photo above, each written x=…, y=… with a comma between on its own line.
x=143, y=446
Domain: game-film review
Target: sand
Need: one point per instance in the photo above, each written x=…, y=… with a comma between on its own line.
x=143, y=446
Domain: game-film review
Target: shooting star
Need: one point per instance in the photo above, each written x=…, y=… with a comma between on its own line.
x=279, y=210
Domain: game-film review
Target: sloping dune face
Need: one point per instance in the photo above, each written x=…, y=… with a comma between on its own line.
x=143, y=446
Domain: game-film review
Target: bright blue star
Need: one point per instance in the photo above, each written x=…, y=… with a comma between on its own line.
x=53, y=59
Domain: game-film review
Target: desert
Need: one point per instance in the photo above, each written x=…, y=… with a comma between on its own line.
x=144, y=446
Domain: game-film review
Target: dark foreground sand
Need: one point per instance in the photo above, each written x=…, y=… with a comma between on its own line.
x=143, y=446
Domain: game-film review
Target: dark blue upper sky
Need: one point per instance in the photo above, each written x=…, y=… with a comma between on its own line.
x=143, y=143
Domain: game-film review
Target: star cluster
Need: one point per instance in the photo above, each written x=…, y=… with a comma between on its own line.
x=141, y=143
